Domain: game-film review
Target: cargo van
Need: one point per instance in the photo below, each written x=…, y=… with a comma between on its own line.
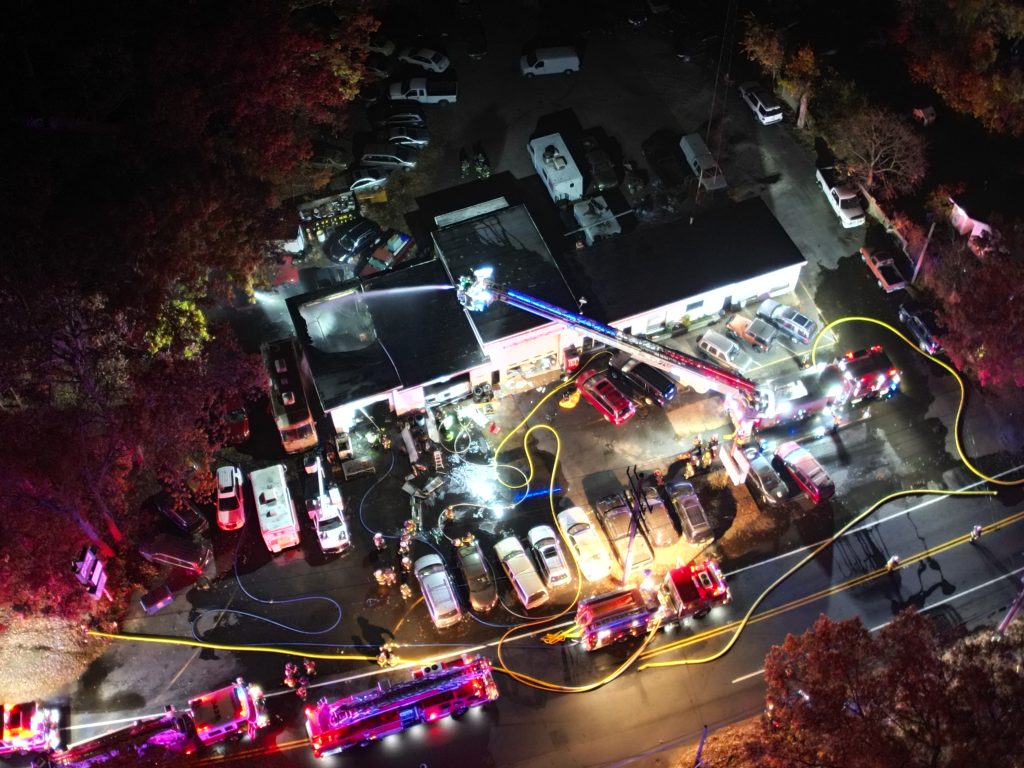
x=646, y=379
x=550, y=61
x=725, y=351
x=699, y=159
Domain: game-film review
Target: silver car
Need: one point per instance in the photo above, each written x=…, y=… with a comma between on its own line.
x=389, y=156
x=616, y=518
x=369, y=179
x=549, y=555
x=438, y=592
x=406, y=136
x=657, y=521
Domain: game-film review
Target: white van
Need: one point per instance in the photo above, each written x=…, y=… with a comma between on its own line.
x=699, y=159
x=522, y=574
x=550, y=61
x=724, y=351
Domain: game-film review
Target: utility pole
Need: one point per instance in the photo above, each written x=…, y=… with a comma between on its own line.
x=920, y=256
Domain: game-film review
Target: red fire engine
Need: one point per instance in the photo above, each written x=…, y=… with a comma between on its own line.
x=447, y=688
x=29, y=727
x=692, y=590
x=868, y=373
x=613, y=617
x=227, y=713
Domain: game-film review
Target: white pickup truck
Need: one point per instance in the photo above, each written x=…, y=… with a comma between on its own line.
x=424, y=90
x=842, y=197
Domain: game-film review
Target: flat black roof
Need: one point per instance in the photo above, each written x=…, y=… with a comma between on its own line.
x=655, y=266
x=508, y=241
x=395, y=329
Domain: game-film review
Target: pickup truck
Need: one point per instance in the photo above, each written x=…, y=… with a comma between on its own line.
x=424, y=91
x=884, y=269
x=758, y=333
x=842, y=197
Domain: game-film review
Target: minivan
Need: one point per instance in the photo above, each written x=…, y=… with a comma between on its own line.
x=388, y=156
x=725, y=351
x=789, y=320
x=177, y=553
x=550, y=61
x=522, y=574
x=646, y=379
x=806, y=471
x=699, y=159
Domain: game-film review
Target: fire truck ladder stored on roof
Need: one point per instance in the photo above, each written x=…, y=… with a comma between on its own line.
x=477, y=293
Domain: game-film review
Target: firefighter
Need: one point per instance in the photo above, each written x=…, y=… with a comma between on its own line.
x=893, y=563
x=302, y=692
x=976, y=532
x=310, y=666
x=379, y=541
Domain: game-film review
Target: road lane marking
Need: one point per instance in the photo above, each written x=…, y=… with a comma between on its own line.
x=868, y=526
x=747, y=677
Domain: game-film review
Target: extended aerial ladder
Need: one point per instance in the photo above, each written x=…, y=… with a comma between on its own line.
x=478, y=292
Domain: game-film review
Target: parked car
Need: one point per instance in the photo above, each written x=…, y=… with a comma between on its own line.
x=351, y=245
x=884, y=269
x=185, y=554
x=665, y=159
x=790, y=321
x=363, y=179
x=548, y=552
x=405, y=136
x=397, y=113
x=762, y=103
x=379, y=65
x=438, y=592
x=236, y=420
x=923, y=326
x=380, y=45
x=724, y=351
x=230, y=498
x=591, y=553
x=758, y=333
x=562, y=60
x=482, y=594
x=186, y=514
x=428, y=59
x=616, y=519
x=650, y=384
x=806, y=472
x=660, y=529
x=602, y=170
x=692, y=516
x=599, y=391
x=389, y=156
x=521, y=573
x=763, y=478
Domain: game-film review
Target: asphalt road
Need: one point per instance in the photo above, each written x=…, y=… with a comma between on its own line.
x=637, y=719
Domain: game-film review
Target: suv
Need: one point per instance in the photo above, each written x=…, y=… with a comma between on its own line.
x=645, y=379
x=438, y=592
x=548, y=551
x=590, y=551
x=762, y=103
x=717, y=347
x=388, y=156
x=522, y=574
x=923, y=326
x=806, y=471
x=398, y=113
x=186, y=515
x=482, y=594
x=695, y=521
x=230, y=499
x=350, y=245
x=599, y=391
x=616, y=518
x=790, y=321
x=764, y=478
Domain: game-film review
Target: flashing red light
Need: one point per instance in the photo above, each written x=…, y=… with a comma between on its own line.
x=849, y=355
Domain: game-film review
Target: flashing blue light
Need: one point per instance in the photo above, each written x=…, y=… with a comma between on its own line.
x=534, y=494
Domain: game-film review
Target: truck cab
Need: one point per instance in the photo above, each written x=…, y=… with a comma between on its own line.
x=693, y=590
x=229, y=713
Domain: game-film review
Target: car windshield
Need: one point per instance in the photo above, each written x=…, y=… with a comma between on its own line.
x=578, y=529
x=227, y=503
x=849, y=203
x=549, y=553
x=531, y=59
x=330, y=526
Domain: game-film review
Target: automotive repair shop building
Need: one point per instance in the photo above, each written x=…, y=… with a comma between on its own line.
x=402, y=337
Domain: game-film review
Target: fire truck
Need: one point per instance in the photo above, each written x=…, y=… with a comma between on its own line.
x=442, y=689
x=827, y=388
x=227, y=713
x=691, y=590
x=29, y=727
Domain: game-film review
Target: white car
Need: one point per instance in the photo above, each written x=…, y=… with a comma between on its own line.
x=548, y=550
x=438, y=592
x=521, y=572
x=595, y=563
x=230, y=499
x=369, y=179
x=432, y=61
x=329, y=521
x=762, y=103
